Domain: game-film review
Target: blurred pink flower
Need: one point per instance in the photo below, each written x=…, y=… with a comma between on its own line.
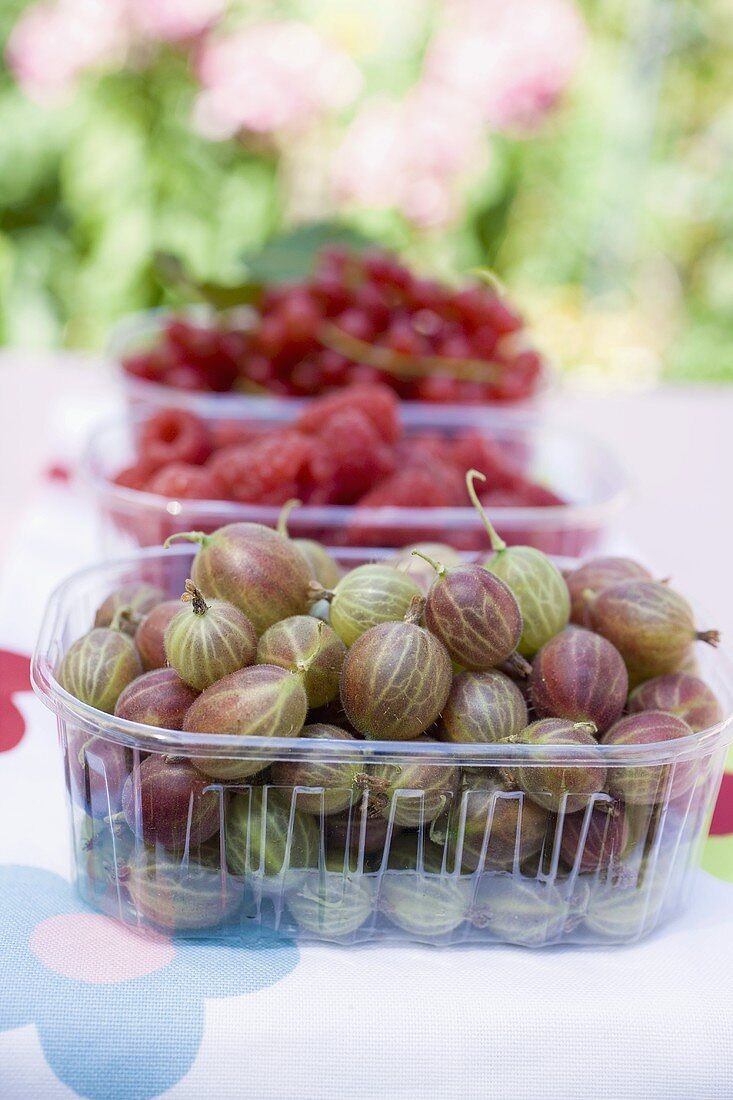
x=270, y=77
x=409, y=154
x=510, y=61
x=174, y=20
x=52, y=43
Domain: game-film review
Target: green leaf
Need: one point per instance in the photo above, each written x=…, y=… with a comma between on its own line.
x=290, y=257
x=172, y=275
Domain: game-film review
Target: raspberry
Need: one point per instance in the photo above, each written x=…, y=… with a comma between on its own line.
x=523, y=494
x=135, y=476
x=378, y=403
x=415, y=487
x=351, y=460
x=475, y=451
x=182, y=481
x=174, y=435
x=227, y=433
x=271, y=470
x=425, y=447
x=150, y=365
x=500, y=498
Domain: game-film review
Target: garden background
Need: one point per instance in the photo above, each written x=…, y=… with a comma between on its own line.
x=583, y=150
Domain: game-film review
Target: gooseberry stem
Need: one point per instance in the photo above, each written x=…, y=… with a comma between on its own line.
x=122, y=616
x=516, y=664
x=712, y=637
x=317, y=592
x=189, y=536
x=437, y=565
x=497, y=543
x=282, y=523
x=415, y=610
x=192, y=595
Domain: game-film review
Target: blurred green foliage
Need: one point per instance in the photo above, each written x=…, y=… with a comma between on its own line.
x=611, y=222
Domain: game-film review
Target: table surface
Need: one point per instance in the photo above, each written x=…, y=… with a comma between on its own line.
x=649, y=1021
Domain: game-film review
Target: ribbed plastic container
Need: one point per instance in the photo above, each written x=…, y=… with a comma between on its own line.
x=139, y=331
x=574, y=466
x=469, y=862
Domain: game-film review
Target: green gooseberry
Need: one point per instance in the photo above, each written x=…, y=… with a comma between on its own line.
x=537, y=584
x=332, y=904
x=367, y=596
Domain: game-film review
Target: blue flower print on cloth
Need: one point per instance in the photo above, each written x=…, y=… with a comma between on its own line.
x=120, y=1015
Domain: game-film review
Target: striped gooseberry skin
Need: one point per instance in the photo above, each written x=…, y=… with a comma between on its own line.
x=257, y=569
x=337, y=779
x=366, y=834
x=540, y=590
x=651, y=626
x=426, y=907
x=687, y=697
x=323, y=569
x=303, y=642
x=205, y=645
x=606, y=838
x=474, y=615
x=264, y=837
x=157, y=698
x=259, y=701
x=367, y=596
x=580, y=676
x=647, y=784
x=526, y=911
x=438, y=784
x=516, y=826
x=593, y=576
x=395, y=681
x=149, y=637
x=96, y=772
x=98, y=667
x=166, y=801
x=557, y=781
x=181, y=895
x=482, y=706
x=332, y=907
x=135, y=597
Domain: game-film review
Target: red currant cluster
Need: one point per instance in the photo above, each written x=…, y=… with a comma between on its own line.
x=360, y=318
x=343, y=449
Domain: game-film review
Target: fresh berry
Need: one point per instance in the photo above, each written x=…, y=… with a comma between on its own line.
x=136, y=476
x=174, y=435
x=359, y=318
x=354, y=459
x=271, y=470
x=183, y=481
x=376, y=402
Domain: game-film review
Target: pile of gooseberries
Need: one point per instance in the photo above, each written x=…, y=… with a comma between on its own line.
x=310, y=672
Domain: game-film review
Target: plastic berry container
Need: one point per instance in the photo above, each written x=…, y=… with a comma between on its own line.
x=280, y=859
x=577, y=468
x=139, y=331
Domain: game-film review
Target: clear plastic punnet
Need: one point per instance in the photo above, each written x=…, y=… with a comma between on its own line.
x=361, y=856
x=577, y=468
